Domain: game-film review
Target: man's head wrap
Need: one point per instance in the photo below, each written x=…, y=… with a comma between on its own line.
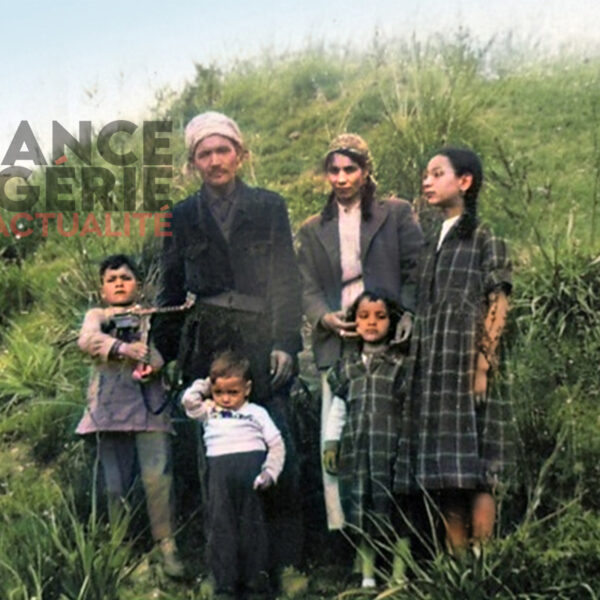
x=352, y=146
x=211, y=123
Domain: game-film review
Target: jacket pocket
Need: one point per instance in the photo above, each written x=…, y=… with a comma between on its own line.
x=257, y=256
x=193, y=252
x=195, y=256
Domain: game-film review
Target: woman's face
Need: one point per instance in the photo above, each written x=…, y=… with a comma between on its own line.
x=442, y=186
x=346, y=178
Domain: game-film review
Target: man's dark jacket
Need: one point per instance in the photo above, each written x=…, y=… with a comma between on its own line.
x=257, y=260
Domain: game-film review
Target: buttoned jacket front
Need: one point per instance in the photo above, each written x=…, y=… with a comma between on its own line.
x=256, y=260
x=390, y=242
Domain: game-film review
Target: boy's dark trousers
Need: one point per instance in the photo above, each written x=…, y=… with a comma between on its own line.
x=238, y=551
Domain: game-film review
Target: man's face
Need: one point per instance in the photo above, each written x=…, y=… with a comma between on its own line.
x=218, y=160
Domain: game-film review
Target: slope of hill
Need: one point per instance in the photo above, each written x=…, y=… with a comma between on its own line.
x=536, y=124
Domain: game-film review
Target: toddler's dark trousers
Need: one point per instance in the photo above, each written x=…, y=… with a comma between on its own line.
x=238, y=550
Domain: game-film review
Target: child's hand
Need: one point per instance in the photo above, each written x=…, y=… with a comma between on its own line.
x=480, y=386
x=197, y=408
x=136, y=351
x=263, y=481
x=330, y=457
x=142, y=372
x=199, y=390
x=193, y=399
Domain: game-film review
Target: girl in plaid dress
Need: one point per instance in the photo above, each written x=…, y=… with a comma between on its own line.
x=366, y=416
x=458, y=432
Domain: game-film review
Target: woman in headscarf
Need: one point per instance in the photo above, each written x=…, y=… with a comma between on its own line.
x=358, y=242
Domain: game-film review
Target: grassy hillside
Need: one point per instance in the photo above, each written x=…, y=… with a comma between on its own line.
x=535, y=122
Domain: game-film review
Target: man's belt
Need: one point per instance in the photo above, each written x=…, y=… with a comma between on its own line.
x=235, y=301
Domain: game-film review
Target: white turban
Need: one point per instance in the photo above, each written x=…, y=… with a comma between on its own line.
x=211, y=123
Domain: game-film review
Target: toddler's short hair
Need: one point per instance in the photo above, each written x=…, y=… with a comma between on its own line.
x=230, y=364
x=115, y=261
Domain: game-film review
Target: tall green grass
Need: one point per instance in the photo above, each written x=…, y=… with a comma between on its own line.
x=535, y=122
x=59, y=554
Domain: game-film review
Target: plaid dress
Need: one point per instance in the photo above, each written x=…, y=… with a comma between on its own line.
x=373, y=395
x=448, y=442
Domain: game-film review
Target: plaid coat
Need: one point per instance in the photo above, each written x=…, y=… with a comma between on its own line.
x=448, y=441
x=373, y=396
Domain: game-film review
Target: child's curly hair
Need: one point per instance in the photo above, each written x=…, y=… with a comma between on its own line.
x=394, y=311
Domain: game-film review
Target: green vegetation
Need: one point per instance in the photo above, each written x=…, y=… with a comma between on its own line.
x=536, y=123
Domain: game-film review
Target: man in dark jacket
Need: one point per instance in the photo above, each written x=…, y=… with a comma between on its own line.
x=231, y=246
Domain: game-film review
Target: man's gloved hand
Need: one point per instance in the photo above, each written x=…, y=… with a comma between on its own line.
x=336, y=322
x=137, y=351
x=330, y=456
x=281, y=368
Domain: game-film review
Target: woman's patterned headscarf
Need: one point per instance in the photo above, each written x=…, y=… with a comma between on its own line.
x=354, y=147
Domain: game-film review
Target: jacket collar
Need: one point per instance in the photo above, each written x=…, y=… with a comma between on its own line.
x=368, y=229
x=242, y=215
x=328, y=234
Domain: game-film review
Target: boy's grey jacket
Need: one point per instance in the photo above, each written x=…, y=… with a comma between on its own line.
x=390, y=242
x=257, y=260
x=115, y=400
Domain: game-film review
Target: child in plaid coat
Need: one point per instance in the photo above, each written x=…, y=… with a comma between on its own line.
x=458, y=431
x=363, y=427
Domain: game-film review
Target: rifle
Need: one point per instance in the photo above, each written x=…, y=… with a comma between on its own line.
x=139, y=317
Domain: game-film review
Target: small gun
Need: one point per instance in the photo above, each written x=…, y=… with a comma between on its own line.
x=138, y=317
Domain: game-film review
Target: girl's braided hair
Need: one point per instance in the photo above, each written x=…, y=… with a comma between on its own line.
x=466, y=162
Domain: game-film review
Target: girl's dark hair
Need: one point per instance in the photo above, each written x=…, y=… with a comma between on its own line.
x=116, y=261
x=394, y=311
x=466, y=162
x=367, y=192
